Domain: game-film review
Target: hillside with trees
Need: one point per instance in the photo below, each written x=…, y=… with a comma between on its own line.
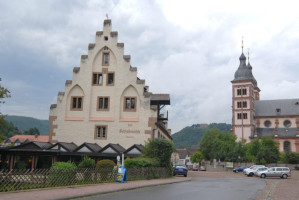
x=28, y=125
x=191, y=135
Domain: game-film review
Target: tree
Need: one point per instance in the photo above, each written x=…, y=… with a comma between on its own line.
x=269, y=152
x=238, y=154
x=32, y=131
x=216, y=144
x=160, y=149
x=197, y=157
x=4, y=93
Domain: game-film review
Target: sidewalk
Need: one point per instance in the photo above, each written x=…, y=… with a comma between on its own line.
x=80, y=191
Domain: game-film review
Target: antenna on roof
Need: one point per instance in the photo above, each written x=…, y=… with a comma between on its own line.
x=107, y=15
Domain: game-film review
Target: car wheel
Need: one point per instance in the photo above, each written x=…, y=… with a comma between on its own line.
x=284, y=176
x=263, y=175
x=251, y=174
x=185, y=175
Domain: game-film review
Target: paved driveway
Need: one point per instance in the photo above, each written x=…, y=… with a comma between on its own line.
x=200, y=188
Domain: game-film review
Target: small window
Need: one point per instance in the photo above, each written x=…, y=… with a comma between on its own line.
x=244, y=115
x=97, y=79
x=244, y=91
x=106, y=38
x=77, y=103
x=110, y=79
x=267, y=123
x=105, y=59
x=239, y=115
x=286, y=146
x=130, y=104
x=244, y=104
x=103, y=103
x=101, y=132
x=279, y=169
x=287, y=123
x=239, y=91
x=239, y=104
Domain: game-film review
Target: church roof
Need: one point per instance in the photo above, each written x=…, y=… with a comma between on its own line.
x=244, y=72
x=280, y=107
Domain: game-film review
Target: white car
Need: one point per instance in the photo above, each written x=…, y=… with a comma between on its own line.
x=251, y=167
x=252, y=170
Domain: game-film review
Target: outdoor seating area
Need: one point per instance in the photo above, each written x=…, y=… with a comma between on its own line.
x=41, y=155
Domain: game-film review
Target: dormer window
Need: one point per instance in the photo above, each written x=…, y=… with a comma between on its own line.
x=278, y=110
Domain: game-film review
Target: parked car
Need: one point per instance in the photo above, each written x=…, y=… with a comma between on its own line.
x=251, y=167
x=180, y=170
x=252, y=170
x=195, y=169
x=239, y=169
x=260, y=169
x=282, y=172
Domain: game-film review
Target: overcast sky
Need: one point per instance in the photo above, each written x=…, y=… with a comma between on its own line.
x=189, y=49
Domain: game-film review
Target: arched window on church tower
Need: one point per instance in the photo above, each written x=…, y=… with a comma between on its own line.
x=286, y=146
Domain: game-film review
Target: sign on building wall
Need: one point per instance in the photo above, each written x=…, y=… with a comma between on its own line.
x=229, y=164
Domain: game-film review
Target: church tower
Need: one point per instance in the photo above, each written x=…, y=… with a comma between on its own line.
x=244, y=92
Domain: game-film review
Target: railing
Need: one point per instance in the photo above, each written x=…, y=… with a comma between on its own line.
x=11, y=180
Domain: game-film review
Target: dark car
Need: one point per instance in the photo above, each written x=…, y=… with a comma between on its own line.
x=239, y=169
x=180, y=170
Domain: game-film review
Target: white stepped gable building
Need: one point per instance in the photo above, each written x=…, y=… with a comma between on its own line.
x=105, y=102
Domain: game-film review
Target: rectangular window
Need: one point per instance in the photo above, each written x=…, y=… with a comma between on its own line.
x=103, y=103
x=77, y=103
x=239, y=115
x=239, y=91
x=101, y=132
x=244, y=104
x=244, y=115
x=239, y=104
x=130, y=104
x=105, y=59
x=97, y=79
x=244, y=91
x=110, y=79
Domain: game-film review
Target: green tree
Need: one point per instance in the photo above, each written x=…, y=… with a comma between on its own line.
x=269, y=152
x=32, y=131
x=197, y=157
x=160, y=149
x=238, y=153
x=253, y=148
x=216, y=144
x=4, y=93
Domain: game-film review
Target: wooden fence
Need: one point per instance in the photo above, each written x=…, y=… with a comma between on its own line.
x=11, y=180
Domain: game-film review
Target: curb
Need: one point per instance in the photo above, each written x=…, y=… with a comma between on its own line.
x=123, y=189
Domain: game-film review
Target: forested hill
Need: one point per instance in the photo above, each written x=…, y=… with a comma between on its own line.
x=191, y=135
x=25, y=123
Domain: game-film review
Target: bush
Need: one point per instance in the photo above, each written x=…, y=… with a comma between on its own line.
x=63, y=165
x=62, y=173
x=160, y=149
x=106, y=163
x=87, y=162
x=141, y=162
x=291, y=157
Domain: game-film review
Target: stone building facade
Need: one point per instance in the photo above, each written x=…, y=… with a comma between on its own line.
x=255, y=118
x=105, y=102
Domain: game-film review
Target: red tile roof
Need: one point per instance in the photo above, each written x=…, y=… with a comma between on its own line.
x=31, y=138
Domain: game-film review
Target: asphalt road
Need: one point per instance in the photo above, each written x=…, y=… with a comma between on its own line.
x=201, y=188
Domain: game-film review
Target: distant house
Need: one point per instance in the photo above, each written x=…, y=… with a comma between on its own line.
x=182, y=156
x=22, y=139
